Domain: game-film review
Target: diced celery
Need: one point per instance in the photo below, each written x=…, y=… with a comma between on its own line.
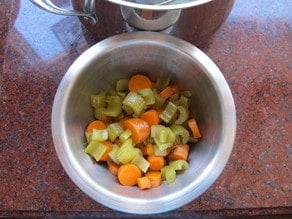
x=162, y=81
x=168, y=173
x=183, y=115
x=169, y=112
x=179, y=164
x=96, y=150
x=98, y=100
x=122, y=85
x=159, y=101
x=148, y=96
x=114, y=106
x=135, y=102
x=126, y=134
x=186, y=93
x=114, y=130
x=141, y=162
x=184, y=101
x=181, y=132
x=126, y=152
x=163, y=136
x=99, y=135
x=113, y=154
x=159, y=152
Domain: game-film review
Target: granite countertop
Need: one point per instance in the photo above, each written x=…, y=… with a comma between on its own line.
x=253, y=49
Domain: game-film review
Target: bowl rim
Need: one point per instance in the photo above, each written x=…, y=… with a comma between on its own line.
x=134, y=205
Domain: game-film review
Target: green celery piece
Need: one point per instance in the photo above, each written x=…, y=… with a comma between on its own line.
x=113, y=154
x=147, y=95
x=179, y=164
x=122, y=85
x=114, y=130
x=181, y=133
x=159, y=101
x=168, y=173
x=141, y=162
x=126, y=134
x=114, y=106
x=183, y=115
x=96, y=150
x=162, y=81
x=134, y=102
x=99, y=135
x=126, y=152
x=98, y=100
x=169, y=112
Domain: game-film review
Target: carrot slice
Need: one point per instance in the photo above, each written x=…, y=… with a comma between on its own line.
x=144, y=182
x=151, y=117
x=194, y=128
x=128, y=174
x=139, y=128
x=149, y=149
x=156, y=162
x=138, y=82
x=109, y=146
x=96, y=124
x=166, y=92
x=155, y=178
x=179, y=152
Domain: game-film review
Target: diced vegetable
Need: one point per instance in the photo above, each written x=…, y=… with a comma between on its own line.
x=142, y=130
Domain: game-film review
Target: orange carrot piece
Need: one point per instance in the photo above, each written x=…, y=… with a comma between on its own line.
x=151, y=117
x=144, y=182
x=139, y=128
x=96, y=124
x=113, y=167
x=179, y=152
x=194, y=128
x=149, y=149
x=138, y=82
x=128, y=174
x=155, y=178
x=109, y=146
x=166, y=92
x=156, y=162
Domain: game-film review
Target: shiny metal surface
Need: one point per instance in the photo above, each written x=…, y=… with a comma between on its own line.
x=160, y=4
x=168, y=11
x=89, y=9
x=150, y=20
x=120, y=56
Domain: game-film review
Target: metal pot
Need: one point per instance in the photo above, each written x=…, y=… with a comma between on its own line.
x=153, y=53
x=192, y=20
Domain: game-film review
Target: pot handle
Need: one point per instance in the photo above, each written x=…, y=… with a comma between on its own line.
x=89, y=8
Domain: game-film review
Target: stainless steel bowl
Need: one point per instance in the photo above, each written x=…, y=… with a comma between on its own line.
x=119, y=57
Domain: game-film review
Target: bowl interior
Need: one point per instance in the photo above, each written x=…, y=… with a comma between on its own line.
x=120, y=57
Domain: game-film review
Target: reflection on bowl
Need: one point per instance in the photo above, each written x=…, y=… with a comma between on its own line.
x=119, y=57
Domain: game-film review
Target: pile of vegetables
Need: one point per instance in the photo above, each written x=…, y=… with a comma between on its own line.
x=142, y=130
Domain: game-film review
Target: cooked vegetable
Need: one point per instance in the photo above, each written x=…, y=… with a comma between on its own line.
x=144, y=182
x=96, y=124
x=166, y=92
x=155, y=178
x=179, y=152
x=128, y=174
x=142, y=130
x=156, y=162
x=139, y=128
x=139, y=82
x=194, y=128
x=151, y=117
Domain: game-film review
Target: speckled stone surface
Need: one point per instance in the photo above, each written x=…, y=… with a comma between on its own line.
x=253, y=49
